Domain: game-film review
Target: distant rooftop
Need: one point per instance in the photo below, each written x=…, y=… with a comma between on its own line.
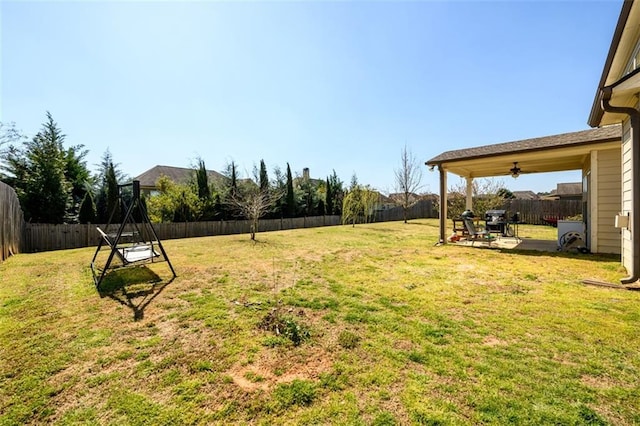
x=179, y=175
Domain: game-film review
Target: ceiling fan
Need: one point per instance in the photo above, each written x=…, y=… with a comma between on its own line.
x=515, y=170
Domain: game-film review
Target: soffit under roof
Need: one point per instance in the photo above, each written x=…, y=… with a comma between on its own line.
x=625, y=39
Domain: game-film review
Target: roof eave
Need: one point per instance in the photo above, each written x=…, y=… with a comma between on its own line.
x=597, y=113
x=435, y=162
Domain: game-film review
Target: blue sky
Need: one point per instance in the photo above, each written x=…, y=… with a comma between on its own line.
x=338, y=85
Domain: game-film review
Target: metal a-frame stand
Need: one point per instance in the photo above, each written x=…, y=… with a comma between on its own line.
x=134, y=243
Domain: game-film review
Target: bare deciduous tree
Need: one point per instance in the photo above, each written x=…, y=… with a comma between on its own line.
x=486, y=195
x=408, y=178
x=253, y=203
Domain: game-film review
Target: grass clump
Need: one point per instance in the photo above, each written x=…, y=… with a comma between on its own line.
x=298, y=392
x=348, y=339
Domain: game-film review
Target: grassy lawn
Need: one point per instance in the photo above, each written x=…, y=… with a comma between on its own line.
x=377, y=326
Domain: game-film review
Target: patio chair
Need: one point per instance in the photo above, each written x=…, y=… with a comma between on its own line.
x=475, y=234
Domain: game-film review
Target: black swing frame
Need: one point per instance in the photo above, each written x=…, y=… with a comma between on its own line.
x=127, y=255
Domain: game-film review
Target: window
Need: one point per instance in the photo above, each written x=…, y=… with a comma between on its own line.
x=634, y=61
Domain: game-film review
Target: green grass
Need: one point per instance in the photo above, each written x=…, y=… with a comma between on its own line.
x=376, y=325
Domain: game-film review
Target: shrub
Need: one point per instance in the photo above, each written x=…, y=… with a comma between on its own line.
x=286, y=326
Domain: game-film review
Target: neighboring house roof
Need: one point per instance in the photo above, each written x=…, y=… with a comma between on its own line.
x=525, y=195
x=179, y=175
x=398, y=197
x=534, y=144
x=312, y=181
x=384, y=199
x=572, y=188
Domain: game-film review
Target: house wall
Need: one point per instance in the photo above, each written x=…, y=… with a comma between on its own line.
x=605, y=200
x=627, y=196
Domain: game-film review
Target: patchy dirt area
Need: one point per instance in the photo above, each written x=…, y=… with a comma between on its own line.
x=272, y=368
x=493, y=341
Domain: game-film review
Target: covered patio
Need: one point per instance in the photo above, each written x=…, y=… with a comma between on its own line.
x=596, y=152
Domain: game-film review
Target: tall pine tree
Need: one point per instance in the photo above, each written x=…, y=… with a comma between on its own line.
x=264, y=177
x=329, y=199
x=87, y=212
x=207, y=205
x=37, y=172
x=112, y=193
x=107, y=192
x=290, y=200
x=202, y=179
x=337, y=193
x=233, y=186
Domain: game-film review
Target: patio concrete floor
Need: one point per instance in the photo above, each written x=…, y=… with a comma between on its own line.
x=512, y=243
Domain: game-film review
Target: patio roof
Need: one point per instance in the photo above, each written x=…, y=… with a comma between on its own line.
x=562, y=152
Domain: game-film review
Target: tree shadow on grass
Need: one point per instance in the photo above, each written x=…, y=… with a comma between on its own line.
x=133, y=287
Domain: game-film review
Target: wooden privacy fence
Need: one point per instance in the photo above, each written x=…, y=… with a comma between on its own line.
x=535, y=211
x=11, y=222
x=420, y=210
x=46, y=237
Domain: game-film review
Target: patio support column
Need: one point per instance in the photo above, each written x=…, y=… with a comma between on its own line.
x=443, y=204
x=469, y=202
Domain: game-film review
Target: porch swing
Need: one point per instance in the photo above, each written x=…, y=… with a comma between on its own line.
x=134, y=242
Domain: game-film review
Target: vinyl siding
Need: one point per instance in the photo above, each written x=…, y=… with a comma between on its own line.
x=608, y=198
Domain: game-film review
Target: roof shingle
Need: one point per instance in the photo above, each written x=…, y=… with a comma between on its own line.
x=602, y=134
x=180, y=175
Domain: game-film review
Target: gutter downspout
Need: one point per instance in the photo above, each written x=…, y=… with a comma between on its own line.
x=634, y=116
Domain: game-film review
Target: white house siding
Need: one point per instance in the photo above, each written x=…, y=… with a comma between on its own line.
x=606, y=197
x=627, y=196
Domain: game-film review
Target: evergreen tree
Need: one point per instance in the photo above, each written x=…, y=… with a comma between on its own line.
x=202, y=178
x=87, y=212
x=264, y=177
x=290, y=200
x=337, y=193
x=107, y=191
x=207, y=208
x=112, y=195
x=309, y=196
x=228, y=191
x=184, y=211
x=234, y=179
x=9, y=135
x=37, y=172
x=279, y=185
x=78, y=176
x=329, y=199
